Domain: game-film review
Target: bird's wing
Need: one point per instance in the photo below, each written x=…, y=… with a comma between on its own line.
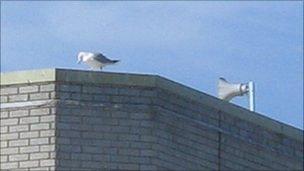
x=101, y=58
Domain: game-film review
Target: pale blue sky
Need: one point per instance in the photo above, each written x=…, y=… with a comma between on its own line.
x=193, y=43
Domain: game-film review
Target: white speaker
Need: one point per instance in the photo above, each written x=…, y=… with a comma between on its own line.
x=227, y=91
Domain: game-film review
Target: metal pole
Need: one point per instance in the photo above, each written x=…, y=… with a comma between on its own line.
x=251, y=96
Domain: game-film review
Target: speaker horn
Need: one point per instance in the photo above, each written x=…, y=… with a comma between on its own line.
x=227, y=91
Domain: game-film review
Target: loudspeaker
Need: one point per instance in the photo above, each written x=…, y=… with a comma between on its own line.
x=227, y=91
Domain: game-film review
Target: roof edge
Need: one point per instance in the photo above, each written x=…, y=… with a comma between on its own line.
x=27, y=76
x=130, y=79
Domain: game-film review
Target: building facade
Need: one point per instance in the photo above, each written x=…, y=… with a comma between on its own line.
x=58, y=119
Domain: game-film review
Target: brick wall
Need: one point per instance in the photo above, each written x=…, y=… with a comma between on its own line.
x=104, y=127
x=27, y=131
x=99, y=121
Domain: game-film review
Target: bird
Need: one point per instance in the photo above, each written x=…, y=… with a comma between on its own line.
x=95, y=60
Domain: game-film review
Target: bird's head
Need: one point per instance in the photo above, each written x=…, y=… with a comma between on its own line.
x=80, y=57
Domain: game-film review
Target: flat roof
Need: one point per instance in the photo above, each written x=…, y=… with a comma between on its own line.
x=130, y=79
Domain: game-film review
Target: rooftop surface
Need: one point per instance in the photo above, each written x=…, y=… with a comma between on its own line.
x=97, y=77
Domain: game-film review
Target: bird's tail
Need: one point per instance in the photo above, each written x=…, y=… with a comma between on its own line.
x=115, y=61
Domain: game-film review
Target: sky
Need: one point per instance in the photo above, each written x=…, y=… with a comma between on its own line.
x=193, y=43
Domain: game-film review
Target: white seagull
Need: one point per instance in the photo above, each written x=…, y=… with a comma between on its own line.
x=95, y=60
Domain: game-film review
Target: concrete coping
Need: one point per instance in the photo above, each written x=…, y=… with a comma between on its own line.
x=97, y=77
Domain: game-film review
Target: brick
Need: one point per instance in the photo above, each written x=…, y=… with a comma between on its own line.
x=102, y=98
x=3, y=159
x=8, y=90
x=3, y=129
x=70, y=148
x=81, y=156
x=3, y=144
x=131, y=137
x=32, y=163
x=28, y=89
x=129, y=91
x=92, y=149
x=34, y=156
x=41, y=111
x=147, y=167
x=72, y=134
x=69, y=163
x=47, y=147
x=52, y=140
x=42, y=169
x=39, y=96
x=29, y=149
x=84, y=97
x=102, y=128
x=110, y=150
x=11, y=165
x=31, y=134
x=18, y=157
x=120, y=144
x=52, y=95
x=8, y=136
x=28, y=120
x=49, y=162
x=113, y=166
x=13, y=150
x=62, y=140
x=147, y=152
x=91, y=164
x=70, y=88
x=19, y=113
x=120, y=129
x=52, y=125
x=49, y=118
x=130, y=152
x=128, y=122
x=47, y=87
x=38, y=141
x=128, y=166
x=101, y=157
x=63, y=126
x=141, y=131
x=3, y=114
x=18, y=128
x=109, y=90
x=4, y=122
x=119, y=114
x=91, y=89
x=14, y=143
x=54, y=110
x=47, y=133
x=140, y=115
x=110, y=136
x=94, y=135
x=70, y=119
x=105, y=121
x=62, y=96
x=148, y=93
x=147, y=138
x=18, y=98
x=52, y=155
x=40, y=126
x=3, y=99
x=63, y=155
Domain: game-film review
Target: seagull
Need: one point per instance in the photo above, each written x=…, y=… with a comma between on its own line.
x=95, y=60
